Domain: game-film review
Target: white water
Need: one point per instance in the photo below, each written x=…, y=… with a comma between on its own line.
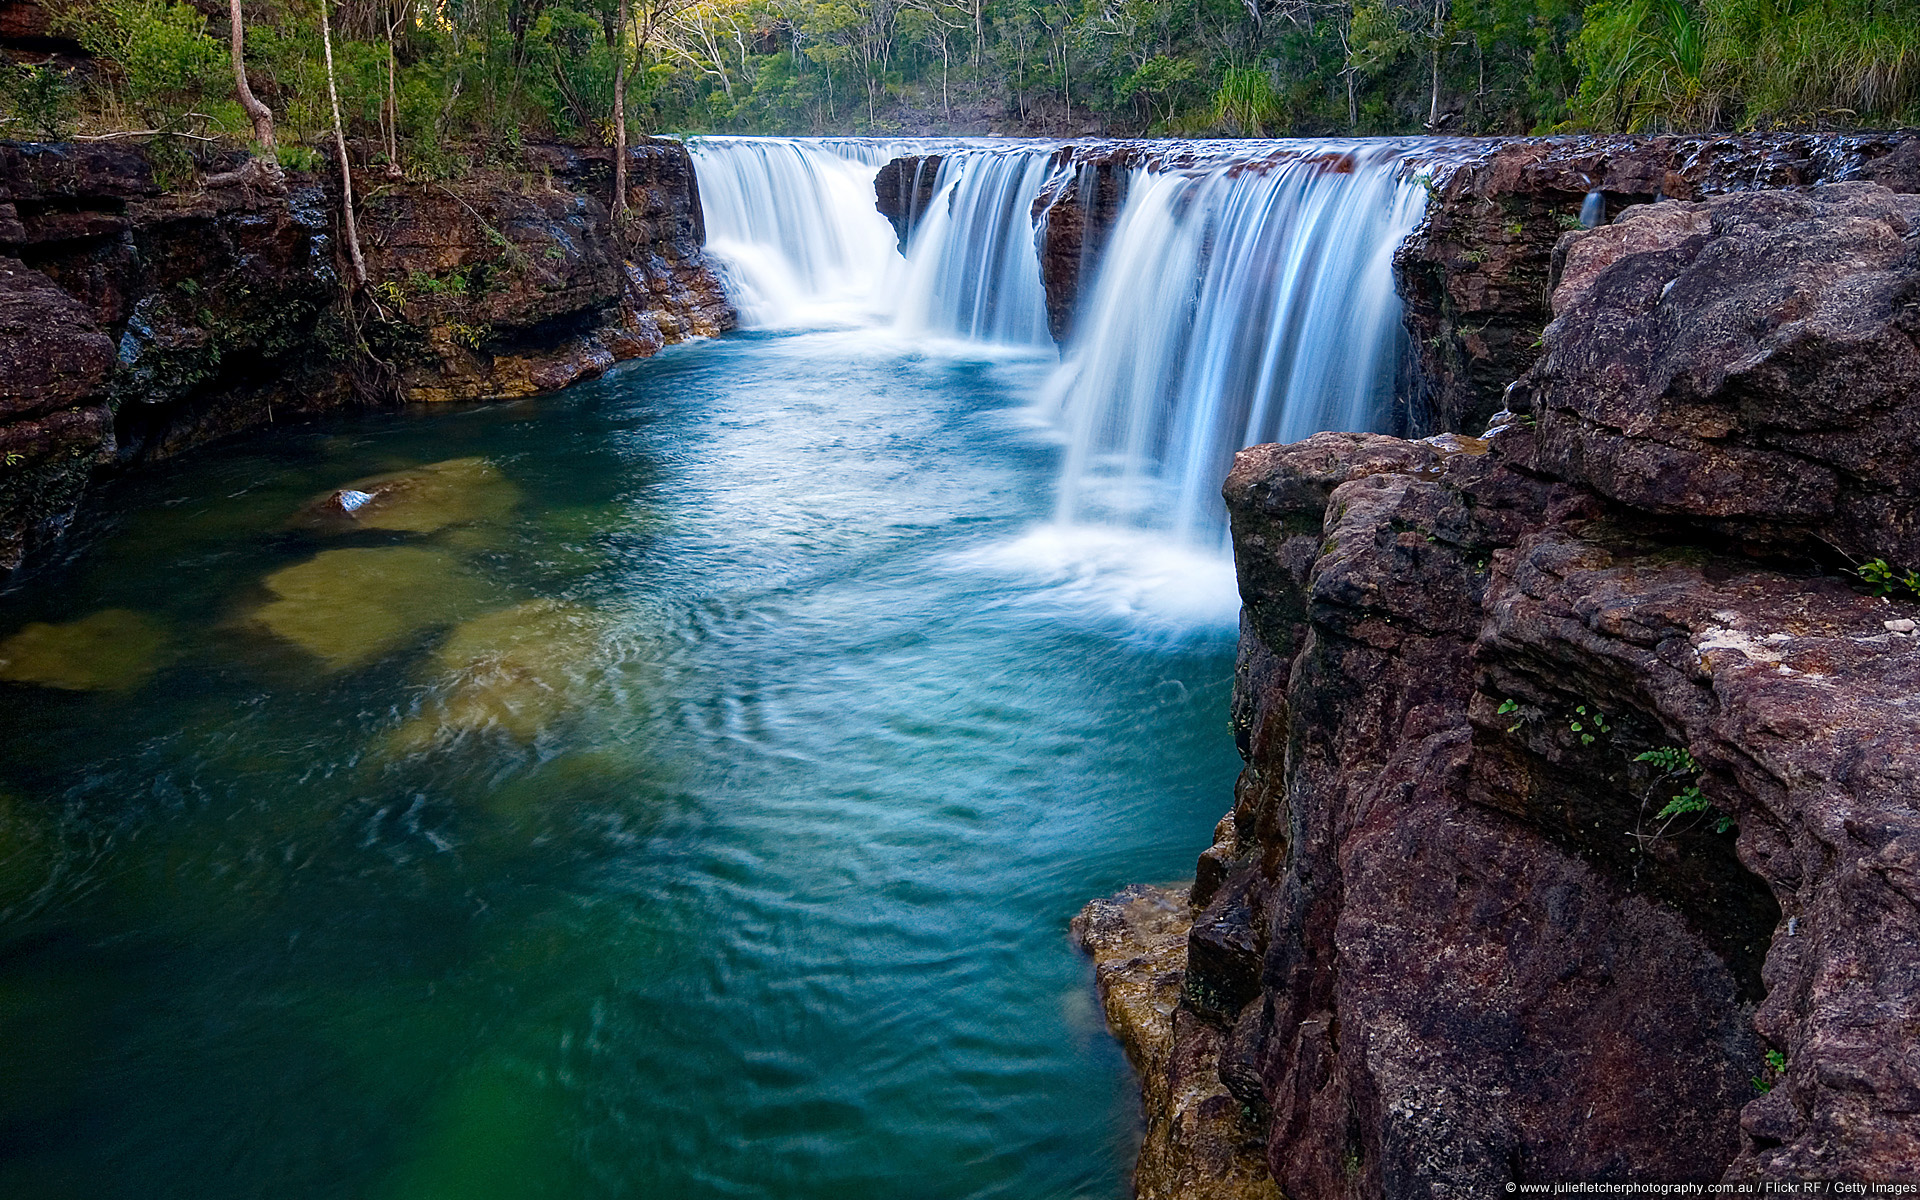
x=972, y=270
x=1232, y=307
x=1246, y=295
x=792, y=224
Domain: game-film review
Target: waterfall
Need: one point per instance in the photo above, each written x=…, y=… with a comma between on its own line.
x=972, y=270
x=793, y=224
x=1244, y=300
x=1245, y=293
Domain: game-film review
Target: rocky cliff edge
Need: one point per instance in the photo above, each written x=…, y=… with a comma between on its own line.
x=1576, y=837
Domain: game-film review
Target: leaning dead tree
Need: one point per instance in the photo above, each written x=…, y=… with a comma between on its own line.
x=620, y=121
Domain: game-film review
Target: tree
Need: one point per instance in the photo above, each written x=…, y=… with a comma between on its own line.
x=340, y=149
x=620, y=120
x=259, y=114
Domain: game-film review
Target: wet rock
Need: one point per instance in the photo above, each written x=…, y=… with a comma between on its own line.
x=349, y=607
x=1200, y=1143
x=111, y=650
x=902, y=190
x=1074, y=216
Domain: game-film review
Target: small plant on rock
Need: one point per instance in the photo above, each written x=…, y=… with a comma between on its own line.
x=1884, y=580
x=1674, y=763
x=1521, y=713
x=1589, y=722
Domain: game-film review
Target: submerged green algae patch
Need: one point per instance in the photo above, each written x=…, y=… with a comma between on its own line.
x=114, y=650
x=460, y=491
x=497, y=1132
x=514, y=672
x=348, y=607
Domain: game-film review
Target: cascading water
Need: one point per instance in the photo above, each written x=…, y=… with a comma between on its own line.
x=1244, y=294
x=1245, y=300
x=972, y=271
x=793, y=223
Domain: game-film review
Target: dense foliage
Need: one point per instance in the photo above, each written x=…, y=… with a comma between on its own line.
x=419, y=76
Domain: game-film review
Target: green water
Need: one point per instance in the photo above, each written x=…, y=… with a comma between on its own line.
x=737, y=861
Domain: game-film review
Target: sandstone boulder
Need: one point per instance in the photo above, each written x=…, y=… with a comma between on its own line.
x=1749, y=362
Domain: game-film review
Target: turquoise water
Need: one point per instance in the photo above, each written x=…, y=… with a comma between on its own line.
x=736, y=861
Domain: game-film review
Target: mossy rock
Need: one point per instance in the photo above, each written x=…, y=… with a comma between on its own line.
x=113, y=650
x=460, y=491
x=512, y=672
x=349, y=607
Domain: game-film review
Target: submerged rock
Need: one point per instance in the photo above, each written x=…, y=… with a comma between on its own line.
x=513, y=672
x=113, y=650
x=459, y=491
x=348, y=607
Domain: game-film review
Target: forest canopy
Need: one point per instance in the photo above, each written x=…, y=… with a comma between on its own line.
x=416, y=78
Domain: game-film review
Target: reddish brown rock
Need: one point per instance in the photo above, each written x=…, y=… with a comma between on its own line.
x=1749, y=362
x=494, y=292
x=1074, y=216
x=52, y=355
x=1475, y=276
x=902, y=190
x=1486, y=950
x=54, y=422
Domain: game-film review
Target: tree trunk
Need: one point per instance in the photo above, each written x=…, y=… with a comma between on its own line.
x=258, y=113
x=1433, y=109
x=340, y=148
x=620, y=121
x=393, y=101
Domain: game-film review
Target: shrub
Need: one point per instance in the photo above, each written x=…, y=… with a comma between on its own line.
x=166, y=66
x=38, y=97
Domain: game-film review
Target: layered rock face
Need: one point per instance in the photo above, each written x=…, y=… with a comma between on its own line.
x=136, y=322
x=501, y=291
x=1576, y=837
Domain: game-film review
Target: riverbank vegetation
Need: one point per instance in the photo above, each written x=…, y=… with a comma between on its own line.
x=417, y=78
